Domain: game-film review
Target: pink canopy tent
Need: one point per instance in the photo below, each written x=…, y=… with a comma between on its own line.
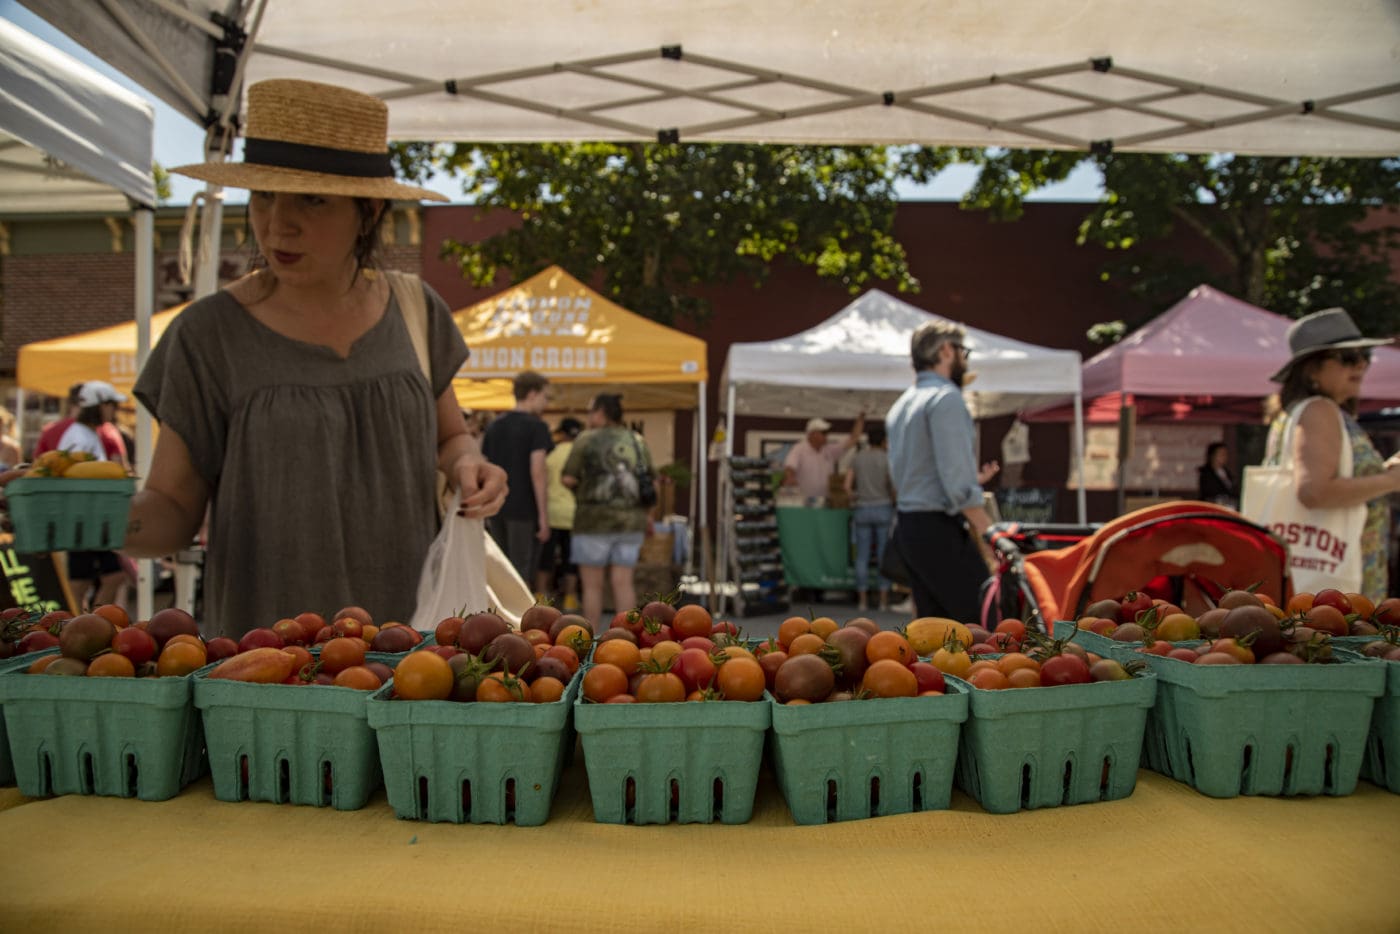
x=1208, y=358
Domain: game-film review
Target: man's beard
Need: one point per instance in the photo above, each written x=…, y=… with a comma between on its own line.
x=958, y=372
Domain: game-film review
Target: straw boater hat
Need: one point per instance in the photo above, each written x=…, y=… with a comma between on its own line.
x=1329, y=329
x=311, y=138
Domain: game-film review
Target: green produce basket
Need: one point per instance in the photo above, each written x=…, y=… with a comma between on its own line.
x=288, y=743
x=869, y=758
x=1231, y=730
x=482, y=763
x=126, y=737
x=62, y=514
x=688, y=762
x=1382, y=763
x=1050, y=746
x=16, y=663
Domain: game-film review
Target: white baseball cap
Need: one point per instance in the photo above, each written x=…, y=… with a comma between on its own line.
x=95, y=392
x=818, y=424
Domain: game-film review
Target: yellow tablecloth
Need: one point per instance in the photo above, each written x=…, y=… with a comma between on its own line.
x=1166, y=859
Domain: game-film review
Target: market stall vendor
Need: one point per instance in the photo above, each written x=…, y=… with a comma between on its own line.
x=812, y=461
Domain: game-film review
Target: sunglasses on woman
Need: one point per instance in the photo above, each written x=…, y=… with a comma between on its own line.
x=1351, y=356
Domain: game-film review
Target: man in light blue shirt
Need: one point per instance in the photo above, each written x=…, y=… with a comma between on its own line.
x=939, y=486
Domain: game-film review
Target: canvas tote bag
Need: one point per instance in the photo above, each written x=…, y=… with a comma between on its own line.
x=452, y=578
x=1324, y=545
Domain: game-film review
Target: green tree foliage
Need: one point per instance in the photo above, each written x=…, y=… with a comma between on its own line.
x=1289, y=234
x=654, y=221
x=162, y=179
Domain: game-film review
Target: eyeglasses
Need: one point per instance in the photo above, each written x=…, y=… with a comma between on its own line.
x=1351, y=356
x=963, y=348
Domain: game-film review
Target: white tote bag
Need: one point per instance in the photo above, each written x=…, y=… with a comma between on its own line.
x=1324, y=545
x=466, y=571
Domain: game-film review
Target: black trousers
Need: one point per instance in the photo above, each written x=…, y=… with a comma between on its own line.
x=946, y=569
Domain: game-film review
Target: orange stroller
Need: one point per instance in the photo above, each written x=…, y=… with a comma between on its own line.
x=1187, y=552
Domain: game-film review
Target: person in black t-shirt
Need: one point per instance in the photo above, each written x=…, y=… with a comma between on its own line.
x=518, y=441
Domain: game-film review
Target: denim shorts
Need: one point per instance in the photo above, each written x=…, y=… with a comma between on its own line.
x=619, y=549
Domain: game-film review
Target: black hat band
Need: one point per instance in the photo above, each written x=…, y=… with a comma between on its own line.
x=320, y=159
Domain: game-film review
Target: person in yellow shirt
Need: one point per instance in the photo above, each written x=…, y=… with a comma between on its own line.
x=558, y=575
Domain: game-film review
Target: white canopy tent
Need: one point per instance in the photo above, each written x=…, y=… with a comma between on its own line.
x=858, y=361
x=1255, y=76
x=72, y=141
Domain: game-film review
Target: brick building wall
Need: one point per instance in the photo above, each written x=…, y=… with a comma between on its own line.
x=51, y=295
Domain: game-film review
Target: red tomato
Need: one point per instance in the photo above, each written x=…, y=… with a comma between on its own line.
x=135, y=644
x=928, y=677
x=691, y=620
x=1064, y=669
x=1132, y=604
x=1185, y=655
x=694, y=667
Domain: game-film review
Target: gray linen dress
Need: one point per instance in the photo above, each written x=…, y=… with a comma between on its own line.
x=321, y=470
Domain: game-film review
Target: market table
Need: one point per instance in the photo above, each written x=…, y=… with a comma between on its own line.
x=816, y=544
x=1166, y=859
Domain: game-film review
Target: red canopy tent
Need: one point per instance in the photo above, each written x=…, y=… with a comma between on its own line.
x=1208, y=358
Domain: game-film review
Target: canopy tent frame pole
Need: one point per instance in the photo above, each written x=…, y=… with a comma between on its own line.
x=699, y=459
x=1079, y=446
x=144, y=219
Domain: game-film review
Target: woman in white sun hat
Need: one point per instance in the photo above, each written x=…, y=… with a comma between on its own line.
x=1321, y=385
x=299, y=405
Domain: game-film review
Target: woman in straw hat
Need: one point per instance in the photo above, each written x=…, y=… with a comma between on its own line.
x=293, y=403
x=1328, y=359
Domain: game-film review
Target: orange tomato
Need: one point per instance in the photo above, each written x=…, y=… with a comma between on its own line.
x=665, y=651
x=887, y=677
x=185, y=637
x=618, y=652
x=301, y=654
x=423, y=676
x=111, y=665
x=736, y=651
x=369, y=632
x=1023, y=678
x=179, y=658
x=1013, y=628
x=1012, y=661
x=982, y=664
x=889, y=644
x=343, y=652
x=501, y=688
x=791, y=628
x=358, y=677
x=1300, y=602
x=547, y=690
x=692, y=620
x=740, y=679
x=989, y=679
x=1361, y=605
x=37, y=666
x=662, y=687
x=824, y=626
x=809, y=643
x=602, y=681
x=114, y=614
x=576, y=638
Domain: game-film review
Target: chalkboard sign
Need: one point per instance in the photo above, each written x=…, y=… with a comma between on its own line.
x=34, y=581
x=1032, y=504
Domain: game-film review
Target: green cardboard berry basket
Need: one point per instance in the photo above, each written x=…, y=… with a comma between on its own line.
x=289, y=744
x=1230, y=730
x=125, y=737
x=867, y=758
x=472, y=762
x=686, y=762
x=14, y=663
x=69, y=514
x=1051, y=746
x=1382, y=763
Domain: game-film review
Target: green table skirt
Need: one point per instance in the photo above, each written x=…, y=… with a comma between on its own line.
x=816, y=547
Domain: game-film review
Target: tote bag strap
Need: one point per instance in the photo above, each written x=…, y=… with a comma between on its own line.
x=1344, y=456
x=413, y=305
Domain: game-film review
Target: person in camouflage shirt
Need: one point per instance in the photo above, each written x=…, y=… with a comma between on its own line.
x=610, y=521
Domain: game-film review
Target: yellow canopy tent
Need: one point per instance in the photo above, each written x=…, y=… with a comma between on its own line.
x=554, y=324
x=52, y=366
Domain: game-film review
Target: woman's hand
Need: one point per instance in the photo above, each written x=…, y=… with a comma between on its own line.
x=483, y=486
